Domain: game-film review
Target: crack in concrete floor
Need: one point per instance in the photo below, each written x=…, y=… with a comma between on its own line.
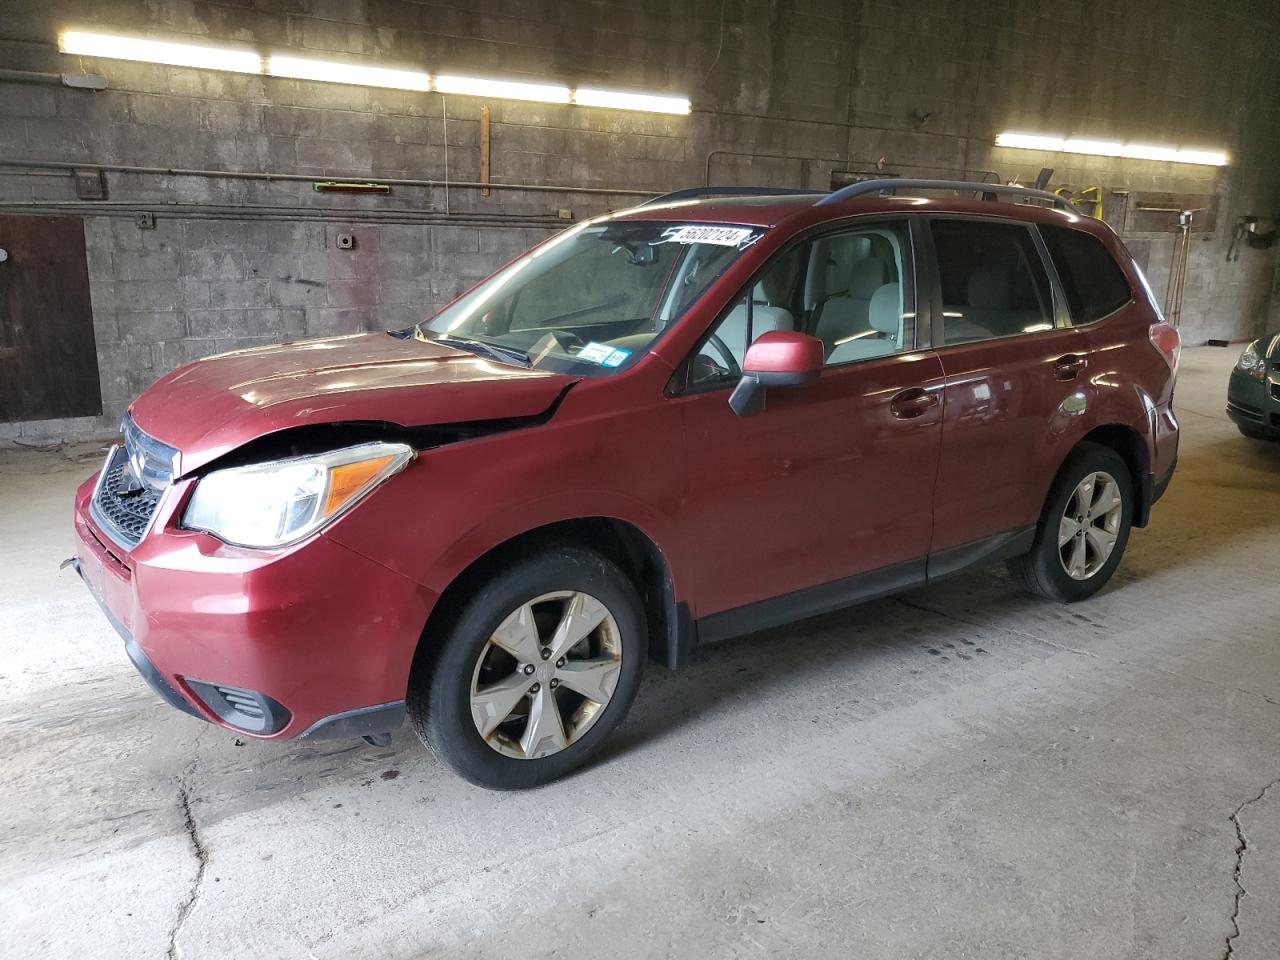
x=198, y=848
x=1242, y=846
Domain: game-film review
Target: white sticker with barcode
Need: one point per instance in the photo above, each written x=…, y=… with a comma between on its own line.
x=718, y=236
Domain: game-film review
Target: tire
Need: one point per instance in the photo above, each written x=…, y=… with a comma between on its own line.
x=567, y=587
x=1044, y=569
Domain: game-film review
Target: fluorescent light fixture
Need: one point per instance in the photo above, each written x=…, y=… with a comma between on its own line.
x=115, y=47
x=503, y=89
x=330, y=71
x=1029, y=141
x=240, y=60
x=1110, y=148
x=1212, y=158
x=1099, y=148
x=1145, y=151
x=622, y=100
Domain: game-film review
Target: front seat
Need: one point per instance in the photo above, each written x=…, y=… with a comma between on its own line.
x=884, y=334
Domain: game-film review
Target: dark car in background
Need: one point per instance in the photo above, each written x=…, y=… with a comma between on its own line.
x=689, y=420
x=1253, y=392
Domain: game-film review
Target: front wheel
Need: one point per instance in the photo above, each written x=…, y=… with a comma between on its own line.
x=1084, y=527
x=540, y=666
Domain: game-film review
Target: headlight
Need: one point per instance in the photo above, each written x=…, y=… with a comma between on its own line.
x=1252, y=362
x=280, y=502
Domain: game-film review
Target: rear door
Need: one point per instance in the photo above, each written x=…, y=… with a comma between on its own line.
x=1017, y=380
x=832, y=480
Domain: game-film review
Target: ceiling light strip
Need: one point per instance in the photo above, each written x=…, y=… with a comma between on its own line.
x=84, y=43
x=1109, y=148
x=329, y=71
x=285, y=65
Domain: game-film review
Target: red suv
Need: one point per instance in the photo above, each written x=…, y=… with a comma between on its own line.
x=696, y=418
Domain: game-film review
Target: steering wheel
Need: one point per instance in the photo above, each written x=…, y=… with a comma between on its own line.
x=731, y=362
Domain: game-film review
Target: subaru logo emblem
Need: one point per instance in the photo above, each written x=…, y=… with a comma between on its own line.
x=136, y=462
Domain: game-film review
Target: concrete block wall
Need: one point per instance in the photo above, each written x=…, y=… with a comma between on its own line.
x=785, y=92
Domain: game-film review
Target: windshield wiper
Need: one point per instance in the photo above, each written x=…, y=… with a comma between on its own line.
x=494, y=351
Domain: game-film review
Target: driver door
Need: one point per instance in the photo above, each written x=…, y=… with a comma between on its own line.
x=825, y=496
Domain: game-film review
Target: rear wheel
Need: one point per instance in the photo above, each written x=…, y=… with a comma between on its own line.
x=1084, y=527
x=540, y=666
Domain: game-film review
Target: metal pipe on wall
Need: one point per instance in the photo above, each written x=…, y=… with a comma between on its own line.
x=129, y=211
x=987, y=175
x=306, y=178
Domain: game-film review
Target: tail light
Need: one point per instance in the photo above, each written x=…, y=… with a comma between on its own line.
x=1166, y=339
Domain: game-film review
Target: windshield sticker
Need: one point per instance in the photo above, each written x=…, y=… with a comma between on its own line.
x=740, y=237
x=603, y=354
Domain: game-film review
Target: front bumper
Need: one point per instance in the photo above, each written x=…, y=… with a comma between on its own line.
x=315, y=641
x=1255, y=404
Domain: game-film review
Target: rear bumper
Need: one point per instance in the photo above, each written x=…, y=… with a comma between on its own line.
x=316, y=641
x=1163, y=448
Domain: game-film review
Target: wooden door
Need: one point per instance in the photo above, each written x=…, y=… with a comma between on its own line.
x=48, y=356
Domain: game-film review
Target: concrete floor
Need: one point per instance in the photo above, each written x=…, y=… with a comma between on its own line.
x=961, y=771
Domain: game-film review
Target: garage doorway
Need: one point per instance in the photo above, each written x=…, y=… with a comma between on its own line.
x=48, y=355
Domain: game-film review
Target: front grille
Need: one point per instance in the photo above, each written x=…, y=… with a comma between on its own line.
x=133, y=481
x=123, y=506
x=1275, y=390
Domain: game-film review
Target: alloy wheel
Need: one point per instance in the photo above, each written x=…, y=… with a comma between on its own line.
x=546, y=674
x=1090, y=525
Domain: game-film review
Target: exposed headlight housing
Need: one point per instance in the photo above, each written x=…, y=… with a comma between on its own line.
x=274, y=504
x=1252, y=362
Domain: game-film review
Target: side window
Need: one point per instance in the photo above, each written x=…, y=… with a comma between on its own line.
x=993, y=281
x=770, y=304
x=858, y=294
x=1094, y=285
x=851, y=289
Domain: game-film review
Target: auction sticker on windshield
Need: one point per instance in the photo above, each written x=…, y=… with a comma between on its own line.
x=718, y=236
x=603, y=354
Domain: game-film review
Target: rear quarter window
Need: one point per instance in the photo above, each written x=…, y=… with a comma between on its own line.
x=1092, y=281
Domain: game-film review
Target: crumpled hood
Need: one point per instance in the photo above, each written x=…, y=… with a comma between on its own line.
x=212, y=406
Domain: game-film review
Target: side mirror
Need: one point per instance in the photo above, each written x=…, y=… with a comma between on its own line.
x=779, y=358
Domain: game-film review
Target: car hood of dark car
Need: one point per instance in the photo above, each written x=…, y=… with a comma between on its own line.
x=1269, y=346
x=212, y=406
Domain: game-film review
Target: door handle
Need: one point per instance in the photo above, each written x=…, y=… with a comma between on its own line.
x=1068, y=367
x=912, y=403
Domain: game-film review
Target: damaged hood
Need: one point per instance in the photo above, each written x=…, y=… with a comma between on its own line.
x=212, y=406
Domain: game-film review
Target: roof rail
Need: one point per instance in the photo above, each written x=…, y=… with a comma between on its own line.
x=891, y=185
x=696, y=193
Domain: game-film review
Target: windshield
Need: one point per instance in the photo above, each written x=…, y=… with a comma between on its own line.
x=594, y=297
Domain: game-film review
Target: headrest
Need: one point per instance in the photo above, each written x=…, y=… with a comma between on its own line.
x=770, y=318
x=990, y=287
x=841, y=255
x=885, y=310
x=866, y=278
